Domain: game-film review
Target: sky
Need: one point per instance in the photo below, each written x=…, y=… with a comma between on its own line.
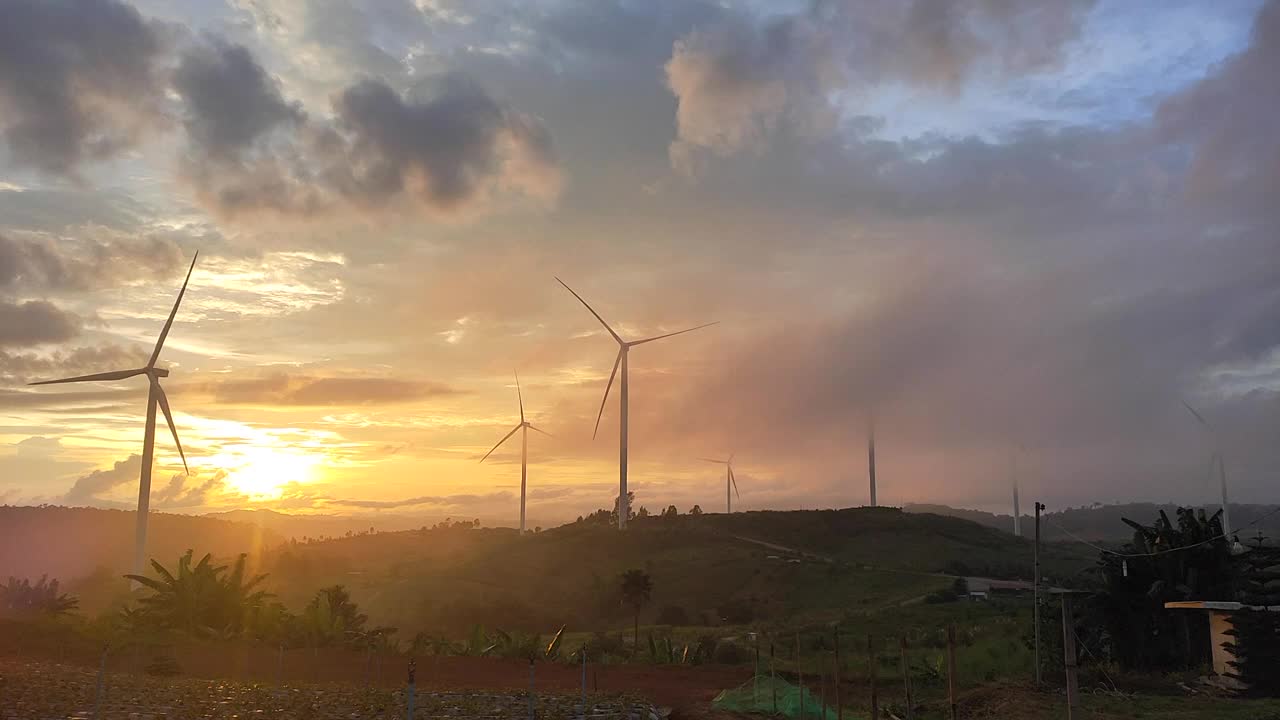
x=1020, y=234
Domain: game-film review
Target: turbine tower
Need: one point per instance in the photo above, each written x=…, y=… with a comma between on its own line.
x=1013, y=476
x=871, y=456
x=730, y=482
x=524, y=427
x=155, y=396
x=1222, y=467
x=624, y=348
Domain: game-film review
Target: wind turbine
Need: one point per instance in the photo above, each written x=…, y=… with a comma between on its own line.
x=871, y=456
x=1013, y=476
x=1222, y=468
x=155, y=396
x=524, y=427
x=729, y=482
x=624, y=347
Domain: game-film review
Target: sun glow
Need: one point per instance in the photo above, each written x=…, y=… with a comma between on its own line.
x=260, y=472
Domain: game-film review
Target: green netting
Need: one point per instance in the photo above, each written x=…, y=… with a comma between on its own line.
x=773, y=696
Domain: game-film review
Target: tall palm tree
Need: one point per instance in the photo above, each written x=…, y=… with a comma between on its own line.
x=637, y=588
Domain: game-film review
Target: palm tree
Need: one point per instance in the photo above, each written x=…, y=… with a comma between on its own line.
x=637, y=588
x=20, y=597
x=199, y=599
x=332, y=618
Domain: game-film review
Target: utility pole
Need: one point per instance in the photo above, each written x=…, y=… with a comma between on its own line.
x=1036, y=591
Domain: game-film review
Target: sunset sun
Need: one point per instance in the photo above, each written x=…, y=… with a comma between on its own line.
x=261, y=472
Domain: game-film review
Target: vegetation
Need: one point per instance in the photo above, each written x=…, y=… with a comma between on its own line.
x=19, y=598
x=637, y=589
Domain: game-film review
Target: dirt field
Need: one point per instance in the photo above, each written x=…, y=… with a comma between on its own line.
x=688, y=690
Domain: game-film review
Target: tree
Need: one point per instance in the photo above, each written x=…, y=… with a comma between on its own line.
x=643, y=512
x=20, y=597
x=631, y=507
x=637, y=588
x=696, y=510
x=200, y=600
x=670, y=512
x=331, y=618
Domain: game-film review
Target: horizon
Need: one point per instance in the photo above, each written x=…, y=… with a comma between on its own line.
x=1042, y=229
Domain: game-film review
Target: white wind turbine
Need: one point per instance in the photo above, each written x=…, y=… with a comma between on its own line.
x=524, y=427
x=624, y=348
x=1217, y=458
x=155, y=396
x=730, y=482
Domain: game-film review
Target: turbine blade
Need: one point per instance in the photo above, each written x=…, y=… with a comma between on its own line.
x=718, y=462
x=520, y=397
x=593, y=312
x=733, y=479
x=168, y=416
x=1195, y=414
x=538, y=429
x=731, y=456
x=679, y=332
x=504, y=439
x=114, y=375
x=616, y=362
x=164, y=333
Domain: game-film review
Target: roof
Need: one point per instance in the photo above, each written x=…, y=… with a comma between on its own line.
x=1216, y=605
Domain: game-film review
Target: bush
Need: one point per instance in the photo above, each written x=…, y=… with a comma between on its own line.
x=729, y=653
x=942, y=596
x=673, y=615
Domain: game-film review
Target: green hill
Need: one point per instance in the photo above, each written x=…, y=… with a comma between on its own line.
x=713, y=568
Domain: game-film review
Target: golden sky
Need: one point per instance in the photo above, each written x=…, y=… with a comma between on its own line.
x=1020, y=235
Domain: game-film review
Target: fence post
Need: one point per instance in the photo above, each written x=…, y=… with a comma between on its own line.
x=97, y=693
x=1069, y=656
x=773, y=679
x=835, y=677
x=951, y=669
x=413, y=667
x=872, y=671
x=800, y=674
x=906, y=677
x=531, y=688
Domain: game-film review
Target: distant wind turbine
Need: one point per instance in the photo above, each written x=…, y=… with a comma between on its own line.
x=730, y=482
x=1222, y=466
x=524, y=427
x=155, y=396
x=871, y=456
x=1013, y=477
x=624, y=348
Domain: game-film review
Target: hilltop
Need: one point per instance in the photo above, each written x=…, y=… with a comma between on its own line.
x=1102, y=523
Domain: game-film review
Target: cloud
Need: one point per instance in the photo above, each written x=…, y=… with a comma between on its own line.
x=92, y=260
x=1225, y=121
x=35, y=322
x=740, y=80
x=453, y=501
x=231, y=102
x=180, y=493
x=252, y=151
x=21, y=368
x=301, y=390
x=78, y=81
x=89, y=488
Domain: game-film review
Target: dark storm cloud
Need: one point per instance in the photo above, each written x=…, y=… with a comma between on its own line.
x=231, y=101
x=738, y=80
x=35, y=322
x=87, y=488
x=285, y=389
x=449, y=152
x=42, y=262
x=1228, y=122
x=77, y=80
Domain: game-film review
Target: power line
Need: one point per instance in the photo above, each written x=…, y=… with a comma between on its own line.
x=1166, y=551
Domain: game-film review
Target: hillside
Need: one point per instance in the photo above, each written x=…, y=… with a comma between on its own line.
x=1103, y=522
x=713, y=568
